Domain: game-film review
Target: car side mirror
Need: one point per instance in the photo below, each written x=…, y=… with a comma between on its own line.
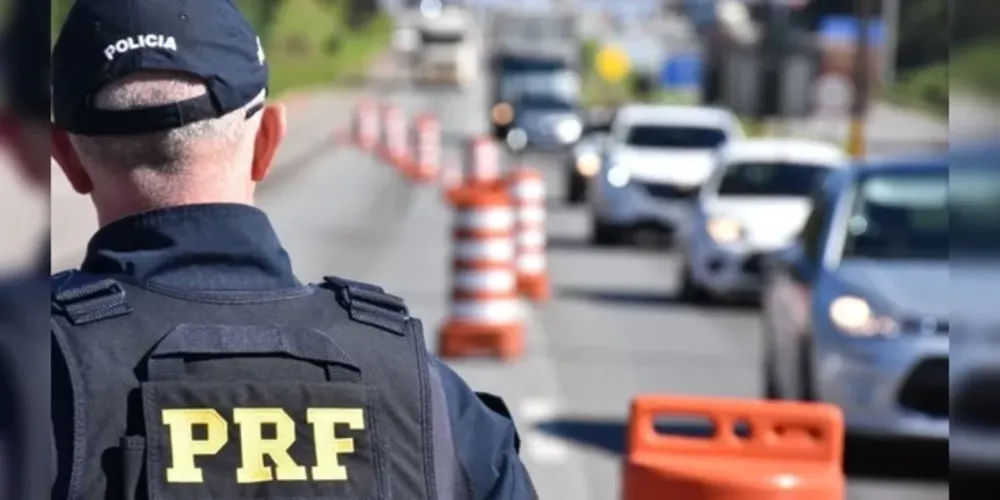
x=794, y=261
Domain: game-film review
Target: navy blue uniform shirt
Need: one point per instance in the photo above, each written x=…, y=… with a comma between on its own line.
x=234, y=247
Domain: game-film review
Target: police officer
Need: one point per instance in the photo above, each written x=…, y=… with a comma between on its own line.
x=196, y=365
x=24, y=318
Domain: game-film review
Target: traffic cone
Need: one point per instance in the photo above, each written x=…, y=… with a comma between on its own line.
x=485, y=316
x=395, y=150
x=482, y=169
x=786, y=451
x=527, y=188
x=365, y=126
x=427, y=147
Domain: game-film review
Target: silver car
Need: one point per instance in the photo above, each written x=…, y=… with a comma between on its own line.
x=655, y=160
x=857, y=312
x=975, y=288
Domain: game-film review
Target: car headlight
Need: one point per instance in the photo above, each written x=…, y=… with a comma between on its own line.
x=569, y=130
x=855, y=317
x=725, y=230
x=502, y=114
x=618, y=176
x=588, y=164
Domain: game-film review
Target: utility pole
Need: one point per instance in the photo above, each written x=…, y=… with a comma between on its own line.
x=890, y=18
x=857, y=136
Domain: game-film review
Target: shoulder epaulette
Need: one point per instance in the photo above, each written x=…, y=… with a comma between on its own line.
x=370, y=304
x=86, y=299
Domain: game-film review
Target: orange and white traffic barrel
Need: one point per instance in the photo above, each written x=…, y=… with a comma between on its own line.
x=366, y=125
x=481, y=166
x=395, y=147
x=485, y=316
x=482, y=162
x=427, y=146
x=527, y=188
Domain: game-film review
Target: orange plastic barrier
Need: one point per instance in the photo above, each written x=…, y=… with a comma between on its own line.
x=794, y=451
x=427, y=146
x=482, y=167
x=527, y=187
x=485, y=317
x=365, y=127
x=396, y=149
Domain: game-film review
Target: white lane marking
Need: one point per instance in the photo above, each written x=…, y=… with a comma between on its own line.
x=537, y=445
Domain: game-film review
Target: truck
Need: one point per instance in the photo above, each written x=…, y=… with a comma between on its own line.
x=535, y=76
x=447, y=49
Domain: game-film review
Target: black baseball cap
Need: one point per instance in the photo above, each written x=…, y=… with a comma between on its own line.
x=105, y=40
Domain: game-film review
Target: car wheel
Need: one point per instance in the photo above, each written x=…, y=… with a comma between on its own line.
x=806, y=389
x=690, y=290
x=602, y=234
x=575, y=189
x=771, y=389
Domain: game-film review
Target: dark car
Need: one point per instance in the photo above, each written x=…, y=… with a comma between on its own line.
x=517, y=75
x=584, y=159
x=550, y=122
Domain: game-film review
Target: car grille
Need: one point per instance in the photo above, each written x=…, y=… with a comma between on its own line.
x=977, y=401
x=926, y=325
x=754, y=264
x=926, y=388
x=668, y=192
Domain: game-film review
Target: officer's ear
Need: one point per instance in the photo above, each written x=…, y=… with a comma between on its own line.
x=272, y=131
x=65, y=155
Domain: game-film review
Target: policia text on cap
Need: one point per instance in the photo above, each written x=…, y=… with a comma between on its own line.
x=191, y=363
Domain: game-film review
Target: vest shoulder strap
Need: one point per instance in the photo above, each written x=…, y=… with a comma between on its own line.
x=83, y=299
x=370, y=304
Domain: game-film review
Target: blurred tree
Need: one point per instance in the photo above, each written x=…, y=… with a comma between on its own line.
x=261, y=14
x=922, y=41
x=974, y=21
x=360, y=13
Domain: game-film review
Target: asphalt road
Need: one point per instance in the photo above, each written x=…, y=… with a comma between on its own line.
x=612, y=330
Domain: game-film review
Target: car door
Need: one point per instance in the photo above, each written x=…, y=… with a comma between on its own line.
x=788, y=295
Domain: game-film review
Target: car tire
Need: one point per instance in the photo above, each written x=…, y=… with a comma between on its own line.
x=770, y=389
x=576, y=189
x=604, y=235
x=806, y=389
x=690, y=291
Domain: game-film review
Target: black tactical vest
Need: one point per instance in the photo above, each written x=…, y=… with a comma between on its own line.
x=319, y=393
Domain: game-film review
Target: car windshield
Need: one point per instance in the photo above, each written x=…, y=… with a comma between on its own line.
x=771, y=179
x=558, y=84
x=974, y=196
x=440, y=38
x=900, y=216
x=661, y=136
x=544, y=102
x=601, y=128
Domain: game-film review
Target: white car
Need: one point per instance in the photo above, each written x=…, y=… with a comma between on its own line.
x=755, y=203
x=655, y=160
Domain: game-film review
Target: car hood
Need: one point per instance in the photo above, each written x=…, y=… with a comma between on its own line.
x=915, y=287
x=666, y=166
x=545, y=118
x=769, y=222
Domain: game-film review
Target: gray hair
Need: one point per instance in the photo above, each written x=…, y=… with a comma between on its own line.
x=170, y=151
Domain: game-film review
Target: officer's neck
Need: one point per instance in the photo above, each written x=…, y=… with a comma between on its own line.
x=111, y=208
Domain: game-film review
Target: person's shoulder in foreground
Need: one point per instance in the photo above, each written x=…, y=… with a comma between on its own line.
x=183, y=224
